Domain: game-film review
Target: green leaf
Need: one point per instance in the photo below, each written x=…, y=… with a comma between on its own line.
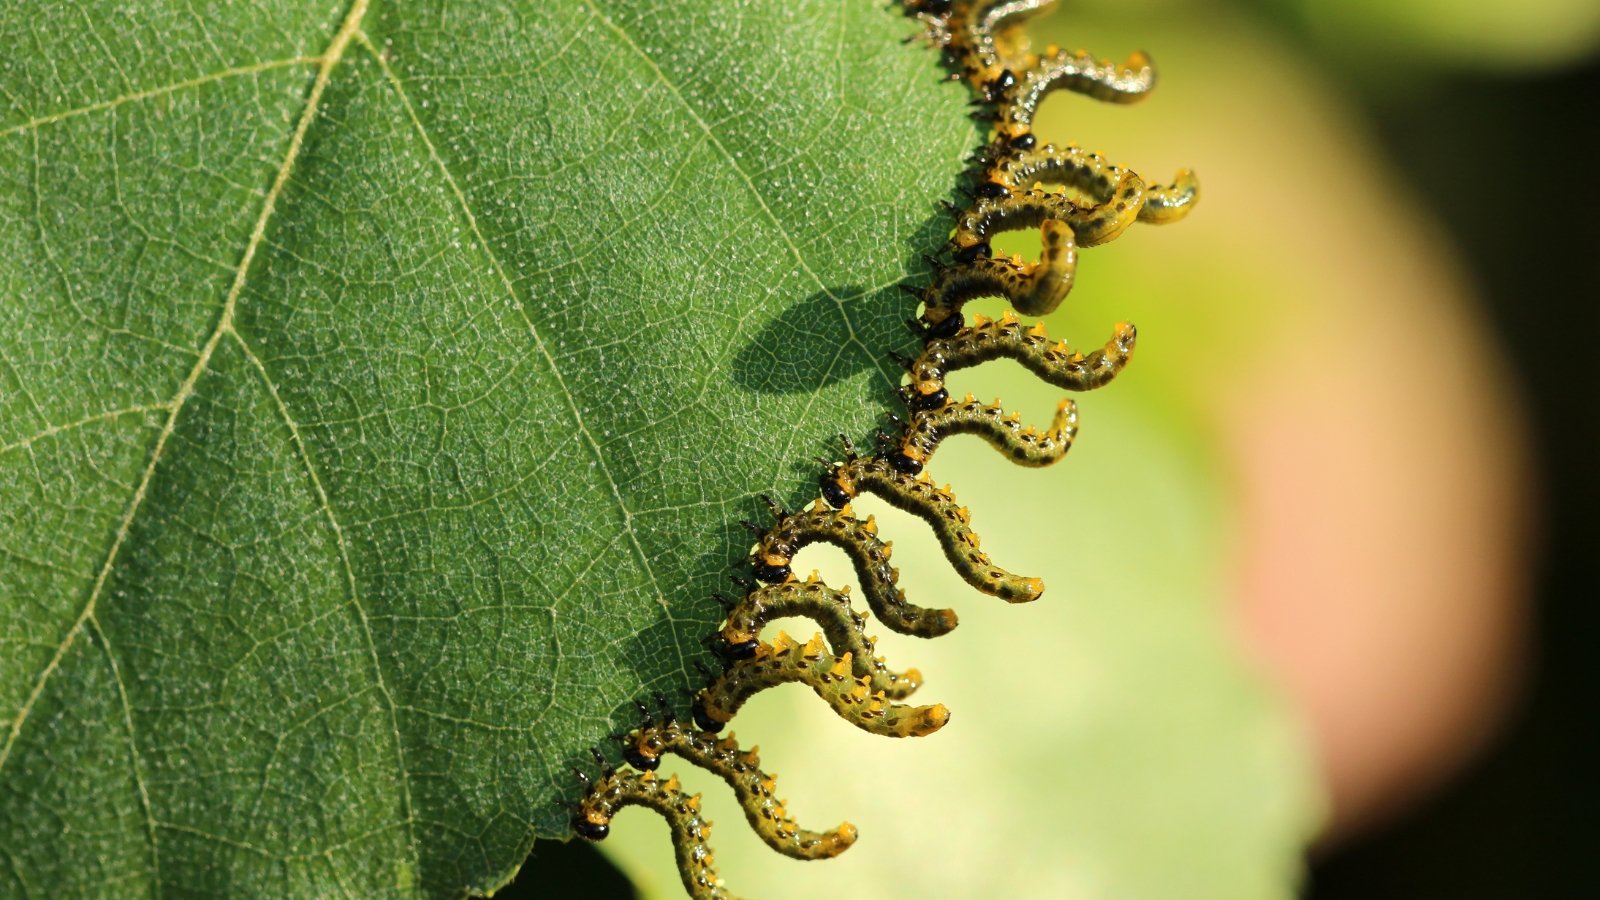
x=380, y=389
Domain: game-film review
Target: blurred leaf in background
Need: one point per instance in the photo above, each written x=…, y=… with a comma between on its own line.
x=1389, y=40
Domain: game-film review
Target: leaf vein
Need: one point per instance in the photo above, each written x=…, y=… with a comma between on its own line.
x=739, y=169
x=109, y=415
x=588, y=437
x=147, y=93
x=133, y=755
x=350, y=580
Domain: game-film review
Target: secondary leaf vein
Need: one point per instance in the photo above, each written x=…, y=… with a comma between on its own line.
x=147, y=93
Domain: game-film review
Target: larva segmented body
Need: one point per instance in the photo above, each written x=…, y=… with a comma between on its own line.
x=1021, y=208
x=1126, y=82
x=1025, y=445
x=1071, y=166
x=831, y=677
x=976, y=36
x=1055, y=362
x=618, y=788
x=980, y=42
x=777, y=546
x=841, y=625
x=741, y=770
x=1034, y=288
x=951, y=522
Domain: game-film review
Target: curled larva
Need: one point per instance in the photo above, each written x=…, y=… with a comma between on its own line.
x=1035, y=289
x=777, y=546
x=831, y=677
x=1079, y=73
x=1069, y=166
x=1073, y=167
x=1055, y=362
x=1015, y=210
x=1023, y=444
x=618, y=788
x=978, y=36
x=741, y=770
x=951, y=522
x=830, y=609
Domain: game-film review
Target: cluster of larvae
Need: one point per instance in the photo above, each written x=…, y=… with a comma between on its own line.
x=1075, y=199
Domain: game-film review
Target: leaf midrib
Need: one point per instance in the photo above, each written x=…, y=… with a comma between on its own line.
x=327, y=61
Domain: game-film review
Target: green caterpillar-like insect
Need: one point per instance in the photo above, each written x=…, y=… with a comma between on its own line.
x=841, y=625
x=776, y=547
x=951, y=522
x=618, y=788
x=1055, y=363
x=755, y=790
x=1097, y=202
x=833, y=679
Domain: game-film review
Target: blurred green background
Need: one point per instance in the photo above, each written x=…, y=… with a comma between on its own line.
x=1380, y=304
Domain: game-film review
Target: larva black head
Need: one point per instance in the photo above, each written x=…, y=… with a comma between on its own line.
x=945, y=327
x=973, y=252
x=703, y=719
x=991, y=190
x=832, y=490
x=923, y=402
x=640, y=761
x=902, y=463
x=997, y=88
x=594, y=831
x=1024, y=141
x=930, y=7
x=740, y=650
x=770, y=574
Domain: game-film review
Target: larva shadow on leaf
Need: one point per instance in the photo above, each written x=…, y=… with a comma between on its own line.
x=817, y=342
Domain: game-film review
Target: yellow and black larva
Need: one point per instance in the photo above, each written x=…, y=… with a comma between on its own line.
x=1004, y=431
x=841, y=625
x=618, y=788
x=951, y=522
x=777, y=546
x=832, y=678
x=1055, y=362
x=980, y=43
x=755, y=790
x=1010, y=199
